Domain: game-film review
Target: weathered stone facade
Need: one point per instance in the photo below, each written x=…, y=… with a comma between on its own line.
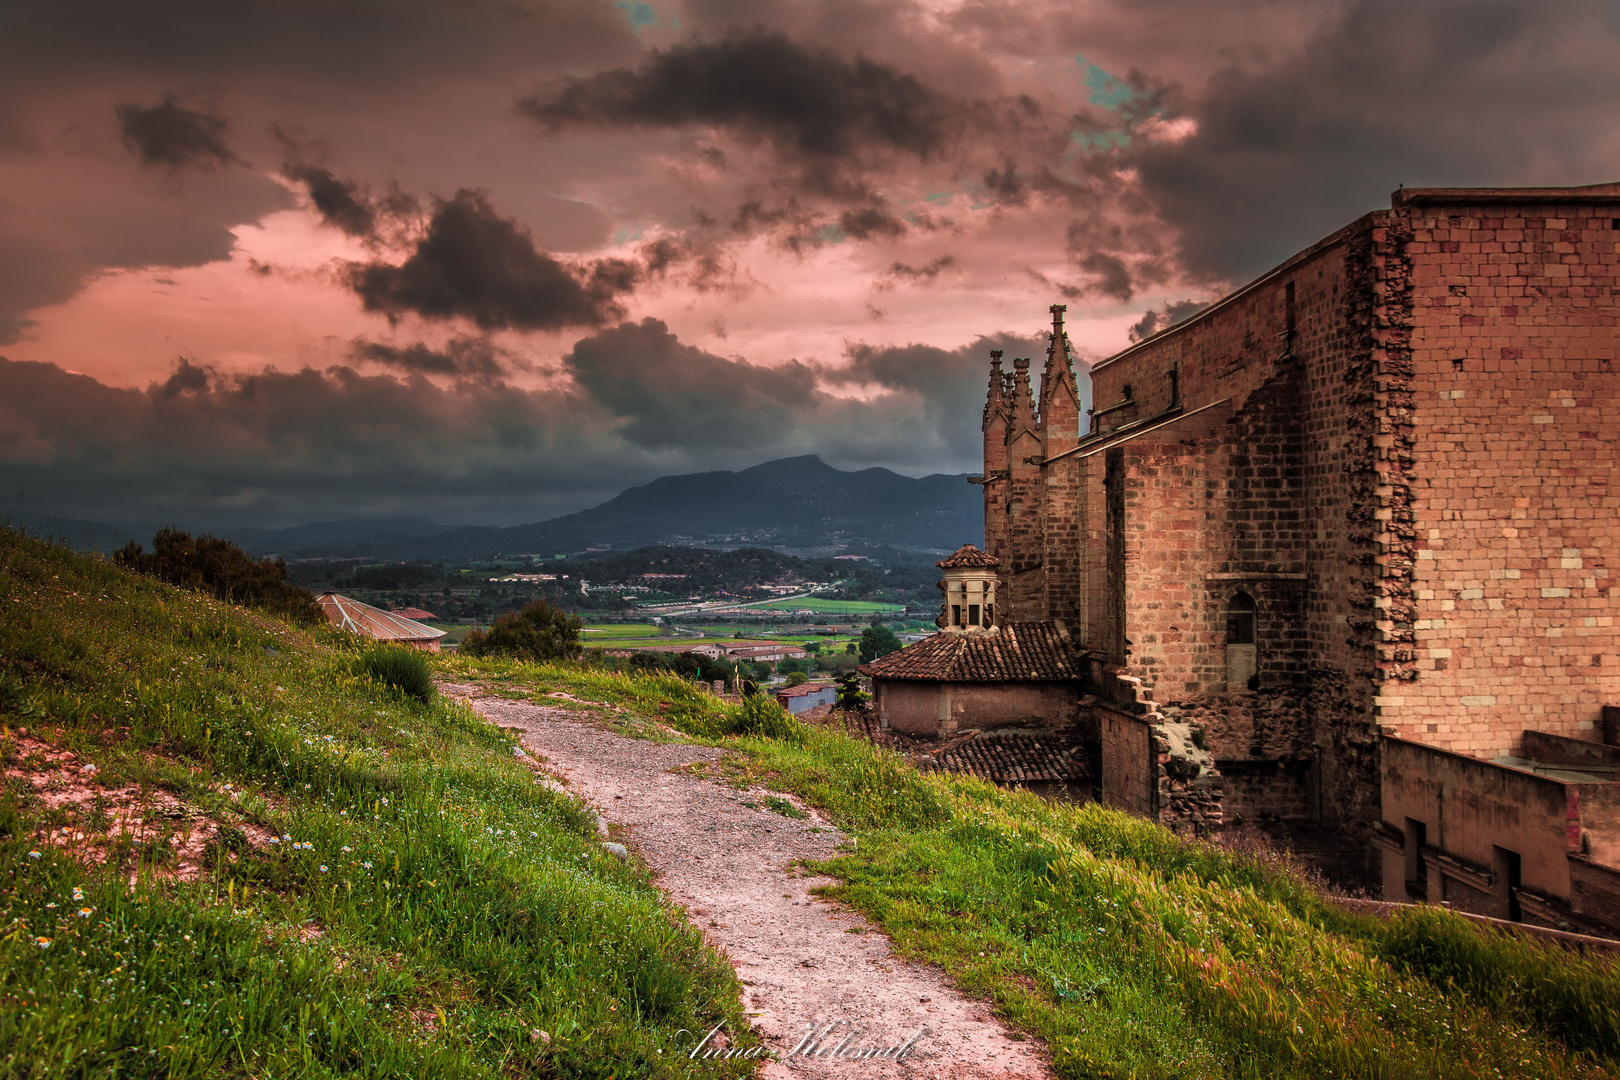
x=1372, y=495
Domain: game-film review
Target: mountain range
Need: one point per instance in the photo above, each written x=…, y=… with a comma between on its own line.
x=797, y=504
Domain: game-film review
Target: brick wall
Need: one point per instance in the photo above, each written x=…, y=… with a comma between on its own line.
x=1516, y=462
x=1129, y=768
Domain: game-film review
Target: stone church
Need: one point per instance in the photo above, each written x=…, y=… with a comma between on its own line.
x=1342, y=549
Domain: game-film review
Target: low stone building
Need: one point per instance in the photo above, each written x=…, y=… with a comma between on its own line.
x=978, y=672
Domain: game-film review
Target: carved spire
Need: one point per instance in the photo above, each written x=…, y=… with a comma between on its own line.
x=1060, y=395
x=1021, y=414
x=994, y=401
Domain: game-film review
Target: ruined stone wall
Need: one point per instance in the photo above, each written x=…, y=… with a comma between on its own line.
x=1278, y=501
x=1514, y=456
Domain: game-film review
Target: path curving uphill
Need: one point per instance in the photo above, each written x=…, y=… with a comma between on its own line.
x=810, y=968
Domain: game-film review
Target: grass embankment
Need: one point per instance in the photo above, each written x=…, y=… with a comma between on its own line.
x=1138, y=954
x=224, y=852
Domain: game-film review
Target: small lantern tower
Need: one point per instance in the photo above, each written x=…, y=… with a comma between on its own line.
x=970, y=591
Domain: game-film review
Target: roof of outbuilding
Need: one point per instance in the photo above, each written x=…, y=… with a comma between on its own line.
x=347, y=613
x=968, y=555
x=1014, y=652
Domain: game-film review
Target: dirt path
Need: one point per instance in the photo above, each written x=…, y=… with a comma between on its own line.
x=806, y=964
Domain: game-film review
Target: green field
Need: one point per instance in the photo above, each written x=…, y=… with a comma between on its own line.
x=604, y=633
x=823, y=606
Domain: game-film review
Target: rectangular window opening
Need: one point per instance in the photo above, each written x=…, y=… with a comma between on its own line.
x=973, y=614
x=956, y=614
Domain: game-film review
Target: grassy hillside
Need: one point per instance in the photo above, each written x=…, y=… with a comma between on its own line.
x=1138, y=954
x=224, y=853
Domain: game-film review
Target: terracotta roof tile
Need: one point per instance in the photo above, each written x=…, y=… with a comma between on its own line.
x=1014, y=652
x=1008, y=758
x=968, y=555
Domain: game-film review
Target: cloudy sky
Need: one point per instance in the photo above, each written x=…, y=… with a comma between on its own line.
x=493, y=260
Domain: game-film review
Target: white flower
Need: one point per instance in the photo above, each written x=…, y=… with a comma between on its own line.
x=33, y=854
x=51, y=904
x=323, y=868
x=366, y=865
x=346, y=847
x=86, y=912
x=43, y=942
x=275, y=839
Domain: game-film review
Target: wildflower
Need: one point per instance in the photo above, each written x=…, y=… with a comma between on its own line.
x=86, y=912
x=78, y=893
x=275, y=839
x=346, y=847
x=366, y=865
x=33, y=854
x=51, y=904
x=43, y=942
x=323, y=868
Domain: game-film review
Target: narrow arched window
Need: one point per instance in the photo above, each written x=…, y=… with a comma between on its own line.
x=1240, y=620
x=1242, y=633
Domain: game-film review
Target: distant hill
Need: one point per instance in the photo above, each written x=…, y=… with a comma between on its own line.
x=798, y=503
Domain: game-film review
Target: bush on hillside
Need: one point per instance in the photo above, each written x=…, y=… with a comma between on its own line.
x=850, y=694
x=211, y=565
x=761, y=715
x=539, y=632
x=399, y=666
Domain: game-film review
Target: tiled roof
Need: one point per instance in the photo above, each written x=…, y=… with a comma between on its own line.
x=968, y=555
x=349, y=614
x=413, y=613
x=1008, y=758
x=1014, y=652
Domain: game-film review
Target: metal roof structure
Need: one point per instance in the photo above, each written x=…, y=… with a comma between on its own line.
x=349, y=614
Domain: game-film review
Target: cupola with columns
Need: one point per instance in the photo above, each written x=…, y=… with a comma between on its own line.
x=970, y=591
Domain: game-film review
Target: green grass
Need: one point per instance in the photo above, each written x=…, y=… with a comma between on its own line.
x=601, y=633
x=1135, y=953
x=425, y=908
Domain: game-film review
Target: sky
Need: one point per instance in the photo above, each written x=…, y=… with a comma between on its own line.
x=490, y=261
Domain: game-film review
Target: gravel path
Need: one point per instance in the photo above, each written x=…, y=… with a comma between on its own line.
x=806, y=964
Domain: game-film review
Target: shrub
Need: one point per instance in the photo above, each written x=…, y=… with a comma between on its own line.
x=850, y=694
x=761, y=715
x=211, y=565
x=797, y=678
x=538, y=632
x=403, y=668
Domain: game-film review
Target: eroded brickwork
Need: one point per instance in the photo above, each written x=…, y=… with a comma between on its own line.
x=1516, y=454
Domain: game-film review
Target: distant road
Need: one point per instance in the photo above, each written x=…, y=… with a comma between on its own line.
x=717, y=607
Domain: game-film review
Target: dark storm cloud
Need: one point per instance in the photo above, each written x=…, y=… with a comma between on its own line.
x=807, y=101
x=1110, y=275
x=1154, y=320
x=340, y=202
x=474, y=264
x=342, y=41
x=917, y=275
x=275, y=446
x=170, y=134
x=466, y=357
x=672, y=394
x=1296, y=144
